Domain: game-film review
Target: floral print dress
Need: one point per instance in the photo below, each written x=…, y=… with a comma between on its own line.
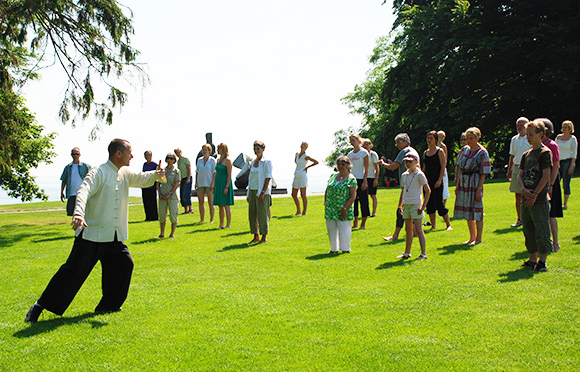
x=472, y=165
x=337, y=194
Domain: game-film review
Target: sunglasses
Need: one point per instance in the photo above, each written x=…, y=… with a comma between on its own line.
x=74, y=153
x=169, y=158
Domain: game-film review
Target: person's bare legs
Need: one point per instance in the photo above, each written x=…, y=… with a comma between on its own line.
x=355, y=222
x=228, y=216
x=409, y=230
x=565, y=205
x=554, y=230
x=395, y=235
x=479, y=229
x=201, y=201
x=418, y=231
x=296, y=201
x=173, y=226
x=471, y=227
x=447, y=221
x=375, y=203
x=518, y=206
x=162, y=229
x=222, y=216
x=211, y=207
x=433, y=219
x=304, y=200
x=363, y=222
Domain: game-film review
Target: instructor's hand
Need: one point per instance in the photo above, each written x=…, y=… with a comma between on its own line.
x=78, y=222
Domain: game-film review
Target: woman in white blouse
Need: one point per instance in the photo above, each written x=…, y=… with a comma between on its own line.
x=259, y=194
x=205, y=181
x=568, y=151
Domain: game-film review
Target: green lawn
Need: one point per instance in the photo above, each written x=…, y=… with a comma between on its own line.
x=207, y=301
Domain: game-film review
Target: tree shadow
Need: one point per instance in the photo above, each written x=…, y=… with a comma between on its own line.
x=322, y=256
x=453, y=248
x=388, y=265
x=521, y=273
x=10, y=235
x=52, y=324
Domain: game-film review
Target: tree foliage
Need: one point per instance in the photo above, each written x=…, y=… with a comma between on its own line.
x=90, y=41
x=452, y=64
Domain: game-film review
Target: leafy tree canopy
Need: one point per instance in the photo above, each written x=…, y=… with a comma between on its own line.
x=452, y=64
x=88, y=39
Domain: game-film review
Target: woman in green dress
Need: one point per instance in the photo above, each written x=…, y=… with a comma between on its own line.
x=223, y=192
x=338, y=212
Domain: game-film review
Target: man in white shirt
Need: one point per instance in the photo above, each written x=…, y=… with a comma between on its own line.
x=518, y=145
x=101, y=224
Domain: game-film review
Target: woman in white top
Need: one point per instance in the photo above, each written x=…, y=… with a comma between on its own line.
x=373, y=176
x=360, y=169
x=568, y=151
x=205, y=181
x=300, y=178
x=259, y=194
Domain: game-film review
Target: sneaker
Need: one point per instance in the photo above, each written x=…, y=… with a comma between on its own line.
x=426, y=223
x=33, y=313
x=529, y=264
x=404, y=255
x=421, y=257
x=517, y=224
x=540, y=266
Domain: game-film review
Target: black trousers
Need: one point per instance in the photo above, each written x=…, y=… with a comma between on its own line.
x=117, y=267
x=362, y=196
x=150, y=204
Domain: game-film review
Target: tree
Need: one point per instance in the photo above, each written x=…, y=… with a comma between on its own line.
x=89, y=40
x=452, y=64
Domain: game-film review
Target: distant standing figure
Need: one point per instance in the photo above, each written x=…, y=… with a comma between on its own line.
x=373, y=176
x=205, y=181
x=149, y=194
x=72, y=178
x=554, y=189
x=440, y=143
x=568, y=145
x=168, y=196
x=360, y=169
x=101, y=224
x=223, y=193
x=518, y=145
x=259, y=194
x=301, y=179
x=339, y=197
x=184, y=166
x=471, y=168
x=434, y=161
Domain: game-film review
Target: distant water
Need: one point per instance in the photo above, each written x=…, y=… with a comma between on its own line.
x=316, y=184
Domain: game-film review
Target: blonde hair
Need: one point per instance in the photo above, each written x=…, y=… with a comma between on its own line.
x=475, y=131
x=259, y=143
x=538, y=125
x=206, y=146
x=224, y=147
x=358, y=137
x=367, y=141
x=569, y=124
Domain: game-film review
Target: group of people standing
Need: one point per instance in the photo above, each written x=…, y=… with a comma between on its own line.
x=213, y=178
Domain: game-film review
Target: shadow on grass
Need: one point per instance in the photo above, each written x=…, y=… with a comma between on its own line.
x=388, y=265
x=52, y=324
x=238, y=233
x=507, y=230
x=576, y=239
x=321, y=256
x=236, y=246
x=150, y=240
x=516, y=275
x=452, y=249
x=10, y=235
x=54, y=239
x=524, y=255
x=284, y=217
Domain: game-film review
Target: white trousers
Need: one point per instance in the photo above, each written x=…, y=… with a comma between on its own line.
x=339, y=233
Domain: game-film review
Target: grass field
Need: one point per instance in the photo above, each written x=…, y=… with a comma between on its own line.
x=206, y=301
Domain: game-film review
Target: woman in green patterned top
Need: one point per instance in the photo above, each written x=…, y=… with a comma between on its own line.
x=338, y=212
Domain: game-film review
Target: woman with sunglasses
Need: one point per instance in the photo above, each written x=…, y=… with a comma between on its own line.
x=259, y=194
x=167, y=196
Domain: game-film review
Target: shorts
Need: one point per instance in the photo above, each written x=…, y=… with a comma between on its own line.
x=372, y=189
x=203, y=190
x=514, y=185
x=410, y=211
x=300, y=180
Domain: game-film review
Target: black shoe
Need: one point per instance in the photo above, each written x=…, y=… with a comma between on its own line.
x=540, y=266
x=104, y=311
x=426, y=223
x=529, y=264
x=33, y=313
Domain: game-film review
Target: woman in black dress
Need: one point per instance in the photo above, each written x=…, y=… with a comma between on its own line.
x=434, y=163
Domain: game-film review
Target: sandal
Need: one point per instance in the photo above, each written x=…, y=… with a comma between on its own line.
x=404, y=255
